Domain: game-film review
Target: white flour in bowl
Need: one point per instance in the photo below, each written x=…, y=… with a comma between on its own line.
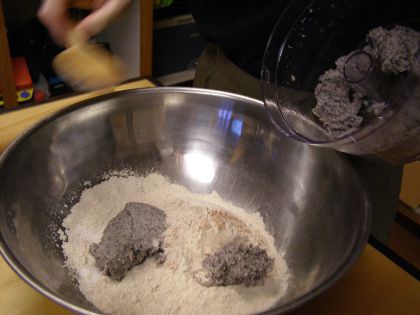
x=196, y=225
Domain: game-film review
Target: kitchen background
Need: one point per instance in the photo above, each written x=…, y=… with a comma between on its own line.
x=163, y=43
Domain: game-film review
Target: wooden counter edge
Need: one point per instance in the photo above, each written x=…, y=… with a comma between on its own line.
x=15, y=122
x=374, y=285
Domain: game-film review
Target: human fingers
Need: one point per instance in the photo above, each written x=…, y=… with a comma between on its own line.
x=105, y=12
x=53, y=14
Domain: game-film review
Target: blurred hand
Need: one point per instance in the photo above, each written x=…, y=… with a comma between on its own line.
x=54, y=15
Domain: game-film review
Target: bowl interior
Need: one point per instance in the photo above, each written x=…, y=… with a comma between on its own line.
x=311, y=199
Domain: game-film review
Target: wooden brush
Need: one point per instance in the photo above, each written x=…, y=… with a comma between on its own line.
x=86, y=66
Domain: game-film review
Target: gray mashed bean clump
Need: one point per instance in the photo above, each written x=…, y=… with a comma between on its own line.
x=238, y=262
x=136, y=233
x=129, y=238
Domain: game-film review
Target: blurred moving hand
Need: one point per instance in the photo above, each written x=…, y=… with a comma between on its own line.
x=54, y=15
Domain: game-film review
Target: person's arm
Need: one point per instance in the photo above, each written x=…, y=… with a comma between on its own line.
x=54, y=15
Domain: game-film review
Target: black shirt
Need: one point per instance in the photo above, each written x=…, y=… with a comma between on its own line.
x=241, y=27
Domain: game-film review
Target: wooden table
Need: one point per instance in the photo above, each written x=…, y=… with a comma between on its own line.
x=14, y=122
x=375, y=285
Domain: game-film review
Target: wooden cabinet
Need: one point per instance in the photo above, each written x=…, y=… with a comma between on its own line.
x=7, y=84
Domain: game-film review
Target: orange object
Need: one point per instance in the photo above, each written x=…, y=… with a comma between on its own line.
x=21, y=74
x=23, y=80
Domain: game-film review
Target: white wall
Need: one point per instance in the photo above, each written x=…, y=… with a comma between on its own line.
x=124, y=38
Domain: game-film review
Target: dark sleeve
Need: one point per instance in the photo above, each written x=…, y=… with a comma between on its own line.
x=240, y=27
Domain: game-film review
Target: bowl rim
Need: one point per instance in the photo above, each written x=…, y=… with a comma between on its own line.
x=24, y=274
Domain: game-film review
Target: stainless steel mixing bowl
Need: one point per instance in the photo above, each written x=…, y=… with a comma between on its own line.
x=311, y=199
